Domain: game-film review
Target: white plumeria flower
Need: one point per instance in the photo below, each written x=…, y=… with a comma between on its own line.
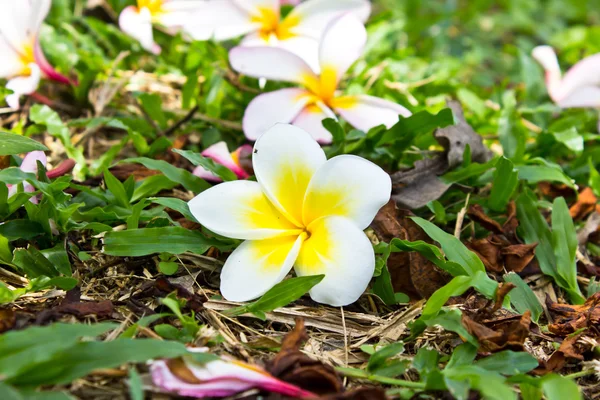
x=223, y=377
x=219, y=153
x=261, y=23
x=579, y=87
x=137, y=21
x=342, y=44
x=304, y=212
x=23, y=62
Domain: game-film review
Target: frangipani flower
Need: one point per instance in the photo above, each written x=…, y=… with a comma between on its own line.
x=29, y=165
x=137, y=21
x=219, y=378
x=341, y=46
x=261, y=23
x=219, y=153
x=22, y=60
x=579, y=87
x=304, y=212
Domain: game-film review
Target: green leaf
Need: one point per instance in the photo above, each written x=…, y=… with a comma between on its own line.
x=117, y=189
x=136, y=390
x=511, y=134
x=83, y=358
x=594, y=179
x=175, y=204
x=181, y=176
x=20, y=350
x=379, y=358
x=570, y=138
x=564, y=241
x=470, y=171
x=453, y=248
x=505, y=182
x=152, y=105
x=197, y=159
x=508, y=362
x=522, y=297
x=463, y=354
x=543, y=173
x=280, y=295
x=168, y=267
x=450, y=320
x=405, y=130
x=431, y=252
x=556, y=387
x=142, y=242
x=11, y=143
x=33, y=263
x=382, y=285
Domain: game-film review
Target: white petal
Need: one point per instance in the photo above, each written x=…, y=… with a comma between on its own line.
x=138, y=24
x=240, y=210
x=586, y=73
x=285, y=158
x=271, y=63
x=268, y=109
x=347, y=186
x=20, y=21
x=587, y=96
x=11, y=64
x=220, y=20
x=29, y=163
x=257, y=265
x=343, y=253
x=311, y=120
x=22, y=85
x=314, y=15
x=307, y=48
x=546, y=56
x=366, y=112
x=342, y=44
x=253, y=7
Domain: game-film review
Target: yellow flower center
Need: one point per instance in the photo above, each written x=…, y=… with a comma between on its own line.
x=272, y=25
x=323, y=89
x=27, y=57
x=154, y=6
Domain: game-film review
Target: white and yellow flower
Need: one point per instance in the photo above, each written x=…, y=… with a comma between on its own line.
x=261, y=23
x=222, y=377
x=342, y=44
x=22, y=60
x=304, y=212
x=579, y=87
x=174, y=15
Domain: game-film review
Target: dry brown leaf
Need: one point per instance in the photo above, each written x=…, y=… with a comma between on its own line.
x=476, y=213
x=585, y=204
x=295, y=367
x=518, y=256
x=8, y=319
x=411, y=273
x=570, y=318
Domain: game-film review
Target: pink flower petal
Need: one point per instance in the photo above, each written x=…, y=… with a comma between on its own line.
x=45, y=66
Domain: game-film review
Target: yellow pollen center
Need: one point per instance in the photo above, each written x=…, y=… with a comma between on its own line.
x=272, y=25
x=323, y=89
x=27, y=57
x=154, y=6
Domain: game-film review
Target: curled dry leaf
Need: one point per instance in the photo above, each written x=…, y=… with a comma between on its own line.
x=417, y=186
x=292, y=366
x=568, y=349
x=410, y=272
x=505, y=334
x=586, y=203
x=570, y=318
x=476, y=213
x=72, y=305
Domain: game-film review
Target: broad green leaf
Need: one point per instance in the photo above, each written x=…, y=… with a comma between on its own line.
x=33, y=263
x=522, y=297
x=136, y=390
x=379, y=358
x=505, y=182
x=11, y=143
x=463, y=354
x=175, y=204
x=142, y=242
x=472, y=170
x=594, y=179
x=543, y=173
x=280, y=295
x=152, y=105
x=431, y=252
x=453, y=248
x=181, y=176
x=83, y=358
x=406, y=129
x=197, y=159
x=508, y=362
x=14, y=176
x=570, y=138
x=557, y=387
x=450, y=320
x=564, y=241
x=511, y=134
x=116, y=187
x=491, y=385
